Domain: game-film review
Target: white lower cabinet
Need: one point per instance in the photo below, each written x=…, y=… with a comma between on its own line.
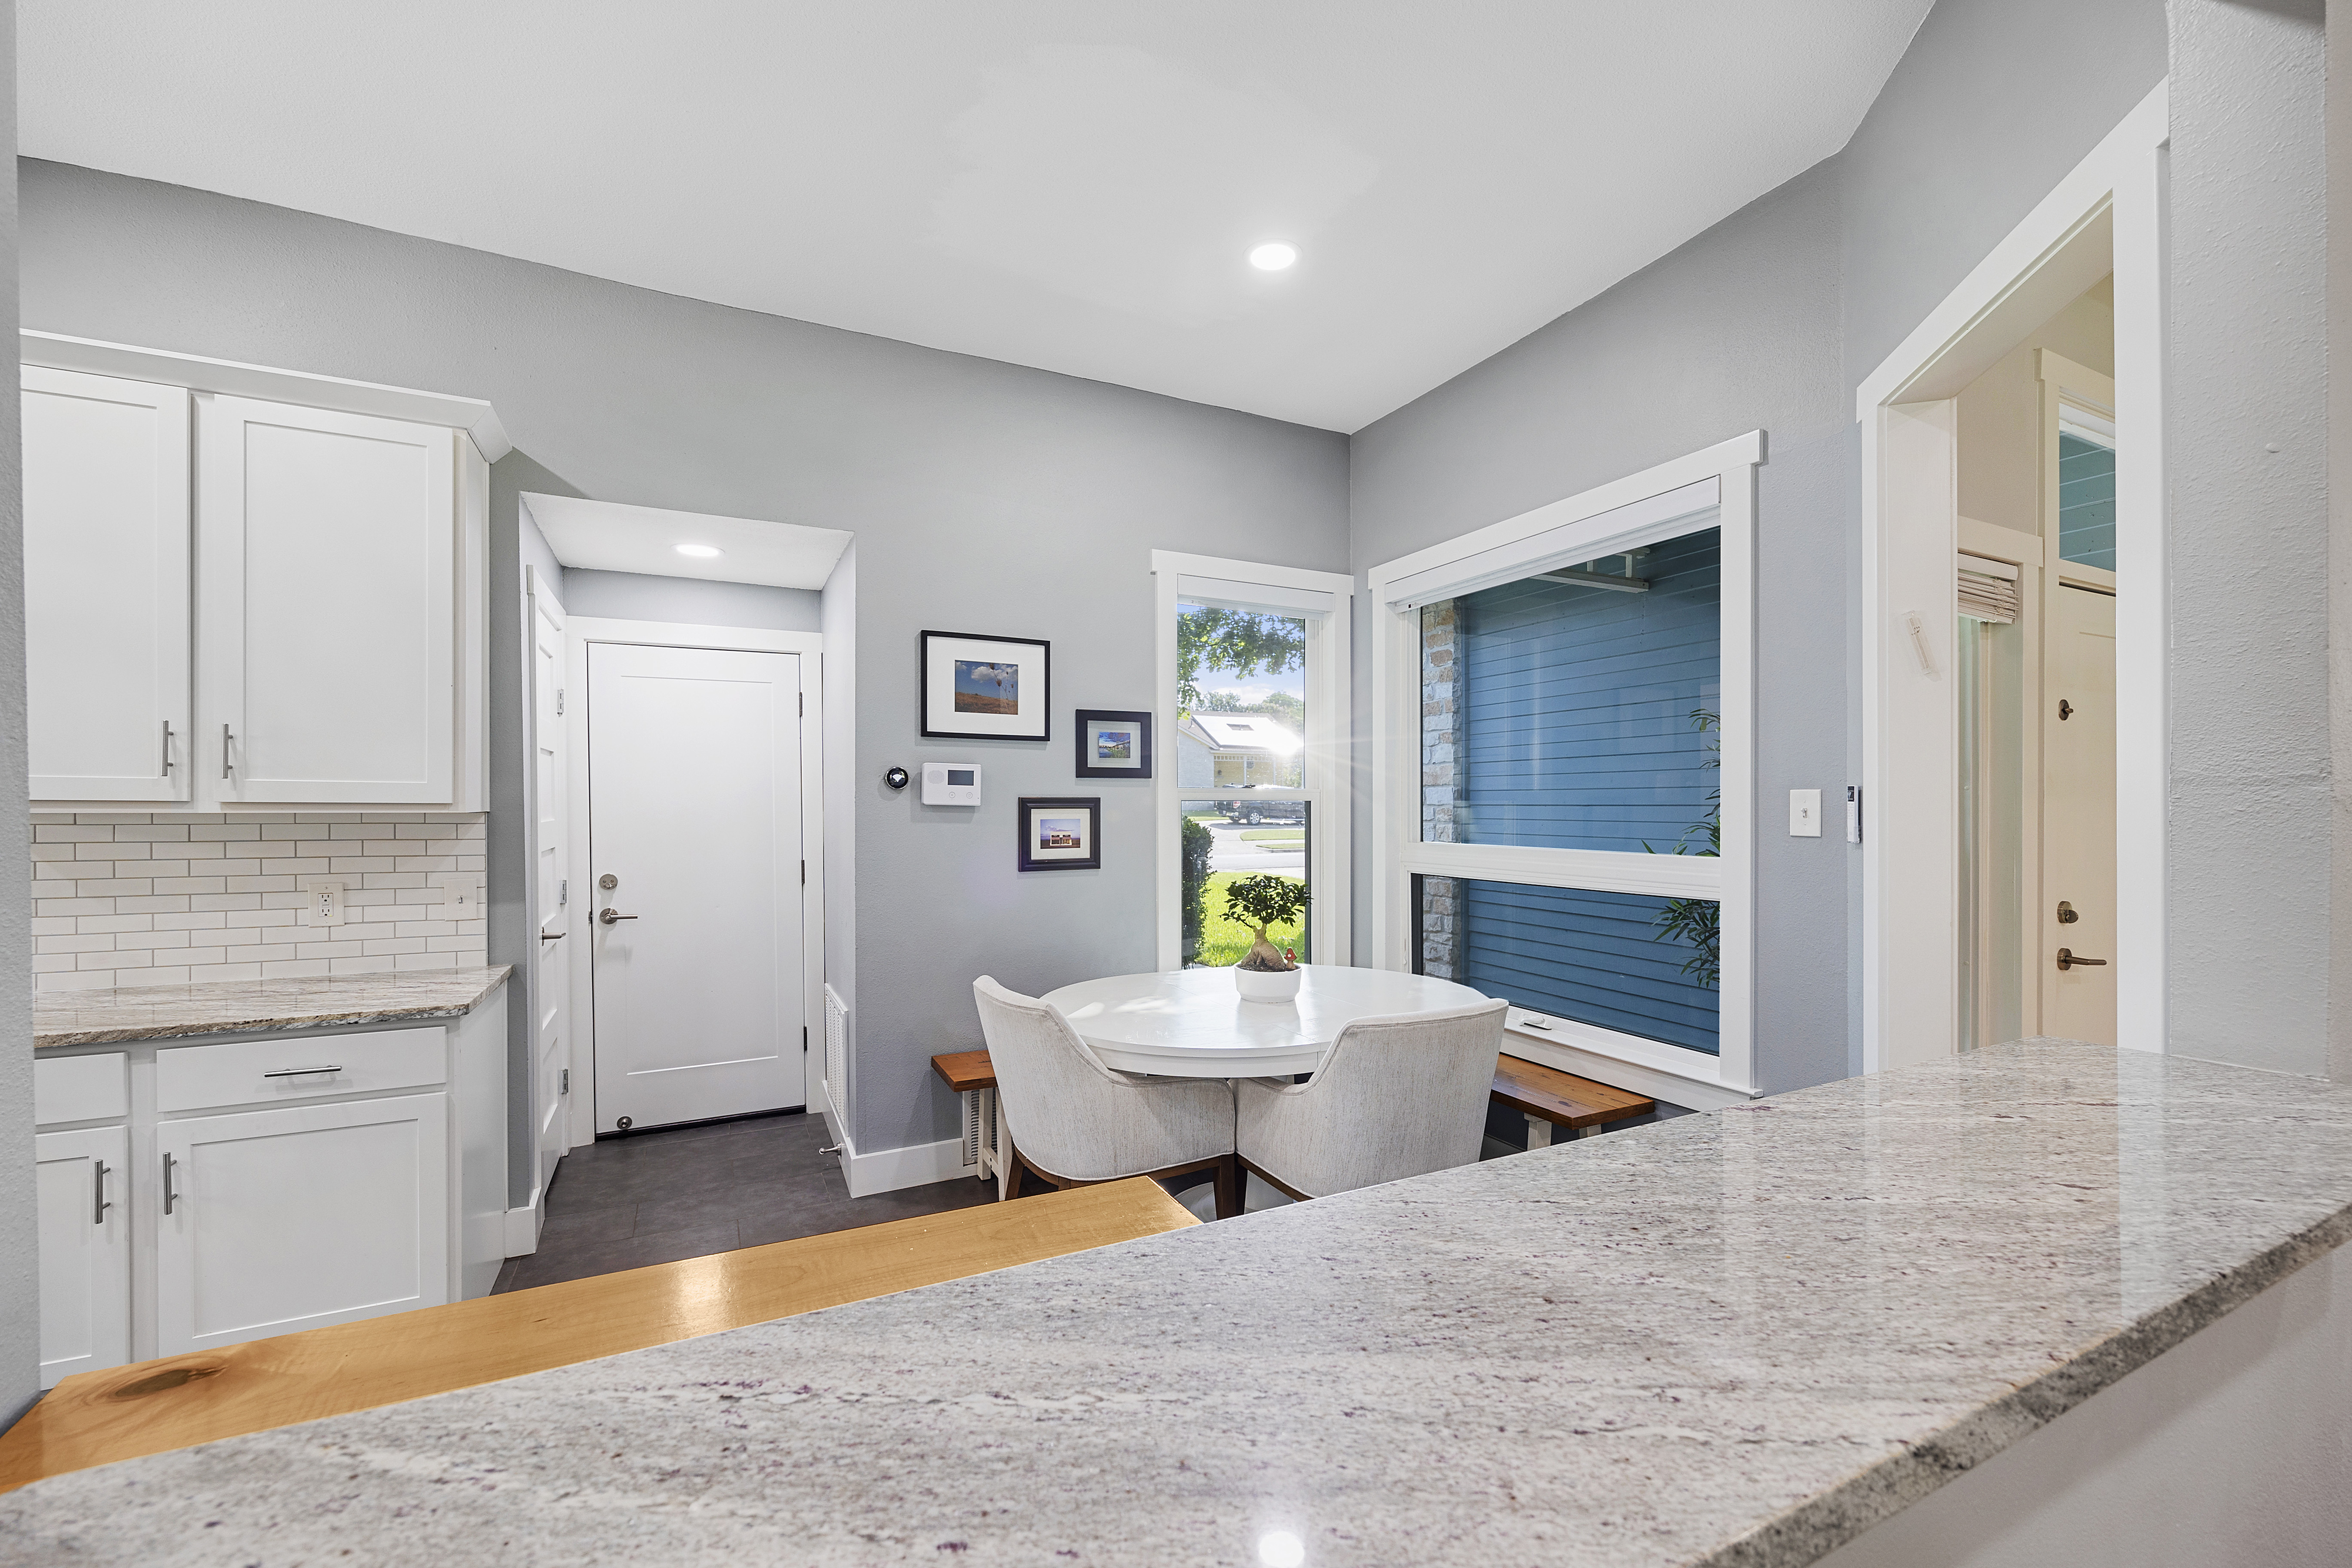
x=301, y=1216
x=83, y=1181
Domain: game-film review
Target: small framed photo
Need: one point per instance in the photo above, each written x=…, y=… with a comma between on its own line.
x=986, y=688
x=1114, y=745
x=1060, y=834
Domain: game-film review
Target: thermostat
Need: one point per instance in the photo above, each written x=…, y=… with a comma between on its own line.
x=950, y=783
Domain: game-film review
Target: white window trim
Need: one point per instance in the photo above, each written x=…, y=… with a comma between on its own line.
x=1325, y=763
x=1620, y=513
x=2106, y=213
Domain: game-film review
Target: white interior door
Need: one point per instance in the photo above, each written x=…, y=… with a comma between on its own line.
x=83, y=1180
x=329, y=551
x=551, y=850
x=299, y=1217
x=105, y=587
x=693, y=779
x=2078, y=817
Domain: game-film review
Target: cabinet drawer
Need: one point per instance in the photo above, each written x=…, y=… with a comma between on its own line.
x=81, y=1088
x=305, y=1067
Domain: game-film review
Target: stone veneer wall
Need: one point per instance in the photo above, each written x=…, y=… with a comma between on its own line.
x=1439, y=902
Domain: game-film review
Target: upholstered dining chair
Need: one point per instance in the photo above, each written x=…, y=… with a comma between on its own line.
x=1075, y=1121
x=1394, y=1097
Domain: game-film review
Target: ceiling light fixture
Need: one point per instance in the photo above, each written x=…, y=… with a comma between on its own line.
x=700, y=553
x=1273, y=257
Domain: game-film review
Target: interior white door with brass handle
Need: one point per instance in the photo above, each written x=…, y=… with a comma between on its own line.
x=2078, y=818
x=694, y=789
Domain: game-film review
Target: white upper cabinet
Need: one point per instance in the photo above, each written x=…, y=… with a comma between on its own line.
x=326, y=629
x=105, y=587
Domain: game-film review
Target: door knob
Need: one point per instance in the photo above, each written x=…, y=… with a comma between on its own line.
x=609, y=916
x=2066, y=959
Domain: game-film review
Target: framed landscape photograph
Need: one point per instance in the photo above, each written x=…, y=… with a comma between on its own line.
x=1114, y=744
x=986, y=688
x=1060, y=833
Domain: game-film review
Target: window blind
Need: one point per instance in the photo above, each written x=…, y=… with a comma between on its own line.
x=1989, y=589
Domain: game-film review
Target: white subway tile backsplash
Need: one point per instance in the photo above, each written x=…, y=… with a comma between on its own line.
x=124, y=898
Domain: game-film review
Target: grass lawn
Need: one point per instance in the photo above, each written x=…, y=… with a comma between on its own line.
x=1224, y=940
x=1205, y=816
x=1283, y=835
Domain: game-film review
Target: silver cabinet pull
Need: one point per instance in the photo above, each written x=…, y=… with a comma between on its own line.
x=97, y=1214
x=167, y=748
x=226, y=741
x=301, y=1072
x=608, y=916
x=170, y=1197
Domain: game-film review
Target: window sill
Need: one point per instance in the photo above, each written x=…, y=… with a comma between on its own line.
x=1636, y=1066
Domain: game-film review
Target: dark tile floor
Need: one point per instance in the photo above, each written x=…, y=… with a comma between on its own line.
x=624, y=1202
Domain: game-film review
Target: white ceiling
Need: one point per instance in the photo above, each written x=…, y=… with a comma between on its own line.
x=609, y=537
x=1066, y=183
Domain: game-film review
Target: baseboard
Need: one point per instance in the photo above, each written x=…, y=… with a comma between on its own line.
x=522, y=1230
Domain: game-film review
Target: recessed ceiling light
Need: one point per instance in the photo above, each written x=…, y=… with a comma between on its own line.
x=700, y=552
x=1273, y=257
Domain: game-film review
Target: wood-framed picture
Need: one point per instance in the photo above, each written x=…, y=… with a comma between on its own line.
x=986, y=688
x=1060, y=833
x=1114, y=744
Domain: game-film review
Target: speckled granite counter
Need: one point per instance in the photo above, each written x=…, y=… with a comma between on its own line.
x=223, y=1006
x=1724, y=1338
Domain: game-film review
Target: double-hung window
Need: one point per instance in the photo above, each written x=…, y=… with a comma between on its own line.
x=1563, y=724
x=1251, y=755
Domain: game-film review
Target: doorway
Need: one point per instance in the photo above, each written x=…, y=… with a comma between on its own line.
x=696, y=914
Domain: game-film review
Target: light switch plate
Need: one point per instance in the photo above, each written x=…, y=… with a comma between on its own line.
x=460, y=901
x=950, y=783
x=1804, y=813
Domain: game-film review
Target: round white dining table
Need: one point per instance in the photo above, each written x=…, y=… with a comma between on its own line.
x=1192, y=1023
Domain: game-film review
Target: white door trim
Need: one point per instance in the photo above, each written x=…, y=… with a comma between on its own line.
x=579, y=633
x=2111, y=199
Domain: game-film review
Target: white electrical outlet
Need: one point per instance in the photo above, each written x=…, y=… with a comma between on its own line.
x=323, y=903
x=1804, y=813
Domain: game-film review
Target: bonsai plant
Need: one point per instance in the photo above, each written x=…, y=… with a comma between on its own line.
x=1259, y=902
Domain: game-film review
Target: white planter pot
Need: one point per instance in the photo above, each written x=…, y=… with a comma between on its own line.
x=1262, y=986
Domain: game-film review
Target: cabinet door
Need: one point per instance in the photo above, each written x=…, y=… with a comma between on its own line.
x=329, y=558
x=83, y=1180
x=299, y=1217
x=105, y=587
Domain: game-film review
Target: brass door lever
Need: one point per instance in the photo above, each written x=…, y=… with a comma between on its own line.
x=2066, y=959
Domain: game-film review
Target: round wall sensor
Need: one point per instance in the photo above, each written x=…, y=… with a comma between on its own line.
x=895, y=779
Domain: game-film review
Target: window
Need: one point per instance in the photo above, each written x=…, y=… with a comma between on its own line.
x=2086, y=489
x=1563, y=728
x=1254, y=667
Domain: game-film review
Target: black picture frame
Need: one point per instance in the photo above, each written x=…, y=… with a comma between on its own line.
x=1029, y=847
x=1029, y=725
x=1089, y=719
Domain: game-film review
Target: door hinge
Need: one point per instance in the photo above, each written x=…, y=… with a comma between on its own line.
x=803, y=873
x=803, y=1040
x=803, y=704
x=563, y=893
x=565, y=1081
x=559, y=699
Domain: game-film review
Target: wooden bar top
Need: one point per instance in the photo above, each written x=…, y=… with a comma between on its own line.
x=98, y=1417
x=1562, y=1098
x=966, y=1070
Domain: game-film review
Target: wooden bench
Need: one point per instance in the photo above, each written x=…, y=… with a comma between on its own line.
x=123, y=1412
x=1549, y=1098
x=1545, y=1096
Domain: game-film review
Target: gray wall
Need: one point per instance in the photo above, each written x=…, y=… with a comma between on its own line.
x=20, y=1300
x=934, y=460
x=688, y=602
x=1768, y=320
x=2247, y=361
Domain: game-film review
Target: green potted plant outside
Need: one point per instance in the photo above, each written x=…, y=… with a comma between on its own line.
x=1264, y=975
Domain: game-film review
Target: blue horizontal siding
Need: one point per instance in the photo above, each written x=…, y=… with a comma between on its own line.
x=2086, y=502
x=1577, y=702
x=1595, y=957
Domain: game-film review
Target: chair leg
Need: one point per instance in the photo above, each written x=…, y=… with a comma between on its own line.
x=1229, y=1186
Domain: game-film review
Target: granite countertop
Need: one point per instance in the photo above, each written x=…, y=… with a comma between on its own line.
x=222, y=1006
x=1723, y=1339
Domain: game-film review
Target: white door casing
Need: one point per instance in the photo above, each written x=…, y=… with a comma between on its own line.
x=299, y=1217
x=695, y=812
x=107, y=559
x=84, y=1251
x=327, y=546
x=550, y=859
